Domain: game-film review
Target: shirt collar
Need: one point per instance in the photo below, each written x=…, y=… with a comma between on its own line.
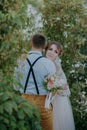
x=35, y=52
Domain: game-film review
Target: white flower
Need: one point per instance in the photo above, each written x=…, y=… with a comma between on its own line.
x=72, y=71
x=65, y=34
x=86, y=81
x=58, y=18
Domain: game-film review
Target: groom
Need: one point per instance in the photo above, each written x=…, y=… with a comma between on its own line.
x=34, y=69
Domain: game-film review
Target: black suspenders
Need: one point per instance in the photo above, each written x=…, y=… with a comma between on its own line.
x=31, y=70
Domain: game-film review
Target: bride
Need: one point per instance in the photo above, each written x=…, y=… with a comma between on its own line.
x=62, y=110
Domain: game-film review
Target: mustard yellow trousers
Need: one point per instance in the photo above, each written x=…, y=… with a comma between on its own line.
x=46, y=114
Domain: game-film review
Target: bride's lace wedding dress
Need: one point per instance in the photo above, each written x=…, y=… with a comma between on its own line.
x=62, y=110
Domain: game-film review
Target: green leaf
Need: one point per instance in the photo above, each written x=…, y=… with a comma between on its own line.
x=21, y=125
x=6, y=121
x=8, y=107
x=4, y=97
x=1, y=109
x=14, y=105
x=27, y=111
x=13, y=122
x=21, y=114
x=19, y=99
x=2, y=126
x=1, y=118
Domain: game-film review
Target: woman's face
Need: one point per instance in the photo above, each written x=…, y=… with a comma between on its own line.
x=52, y=52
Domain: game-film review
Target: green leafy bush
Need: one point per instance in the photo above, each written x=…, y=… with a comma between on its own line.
x=16, y=113
x=65, y=21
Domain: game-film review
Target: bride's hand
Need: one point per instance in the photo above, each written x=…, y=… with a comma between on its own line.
x=54, y=93
x=59, y=92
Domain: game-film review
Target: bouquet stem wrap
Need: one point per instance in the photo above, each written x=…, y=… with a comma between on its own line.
x=49, y=99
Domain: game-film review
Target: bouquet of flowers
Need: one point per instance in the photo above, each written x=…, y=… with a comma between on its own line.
x=52, y=83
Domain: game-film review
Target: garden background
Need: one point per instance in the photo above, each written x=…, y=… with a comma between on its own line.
x=61, y=20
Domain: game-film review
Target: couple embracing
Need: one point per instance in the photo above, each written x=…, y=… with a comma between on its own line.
x=34, y=68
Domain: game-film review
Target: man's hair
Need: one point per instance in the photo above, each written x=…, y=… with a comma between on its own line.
x=38, y=41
